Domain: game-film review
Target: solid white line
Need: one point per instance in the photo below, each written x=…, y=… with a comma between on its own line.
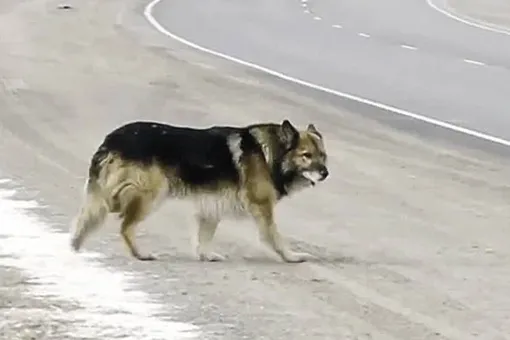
x=337, y=26
x=409, y=47
x=364, y=35
x=474, y=62
x=468, y=20
x=162, y=30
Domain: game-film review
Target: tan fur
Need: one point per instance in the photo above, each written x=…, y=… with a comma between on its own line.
x=134, y=191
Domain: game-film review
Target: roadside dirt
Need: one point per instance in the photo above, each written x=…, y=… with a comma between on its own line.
x=492, y=12
x=411, y=236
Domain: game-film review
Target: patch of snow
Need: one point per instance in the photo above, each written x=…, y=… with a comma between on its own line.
x=111, y=307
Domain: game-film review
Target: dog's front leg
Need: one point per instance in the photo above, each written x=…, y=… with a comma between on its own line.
x=206, y=229
x=263, y=214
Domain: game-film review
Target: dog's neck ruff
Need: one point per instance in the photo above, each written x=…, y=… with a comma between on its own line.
x=283, y=181
x=274, y=155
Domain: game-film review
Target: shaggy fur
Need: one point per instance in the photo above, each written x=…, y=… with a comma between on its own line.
x=234, y=172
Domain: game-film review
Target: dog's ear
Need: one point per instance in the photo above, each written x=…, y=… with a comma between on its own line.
x=288, y=133
x=313, y=130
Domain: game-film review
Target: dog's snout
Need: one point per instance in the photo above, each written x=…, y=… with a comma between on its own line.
x=324, y=172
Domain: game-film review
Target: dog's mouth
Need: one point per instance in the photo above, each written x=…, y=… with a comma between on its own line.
x=311, y=177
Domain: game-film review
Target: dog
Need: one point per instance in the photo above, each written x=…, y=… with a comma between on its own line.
x=226, y=171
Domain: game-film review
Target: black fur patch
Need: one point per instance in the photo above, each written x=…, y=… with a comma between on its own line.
x=201, y=157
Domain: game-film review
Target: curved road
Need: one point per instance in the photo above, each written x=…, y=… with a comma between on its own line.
x=411, y=234
x=401, y=53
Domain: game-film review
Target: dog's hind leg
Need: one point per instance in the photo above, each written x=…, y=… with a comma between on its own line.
x=135, y=205
x=140, y=194
x=91, y=216
x=133, y=213
x=206, y=229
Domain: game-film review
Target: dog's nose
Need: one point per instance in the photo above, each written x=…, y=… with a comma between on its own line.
x=324, y=172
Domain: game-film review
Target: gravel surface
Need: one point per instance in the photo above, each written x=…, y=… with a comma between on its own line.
x=26, y=317
x=411, y=234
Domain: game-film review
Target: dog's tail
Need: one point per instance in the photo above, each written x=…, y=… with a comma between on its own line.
x=95, y=206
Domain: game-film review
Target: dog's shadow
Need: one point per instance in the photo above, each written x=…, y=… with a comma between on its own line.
x=257, y=260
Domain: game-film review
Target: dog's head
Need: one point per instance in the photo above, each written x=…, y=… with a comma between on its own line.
x=305, y=157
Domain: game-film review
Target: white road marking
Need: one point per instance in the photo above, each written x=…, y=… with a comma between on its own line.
x=110, y=308
x=337, y=26
x=304, y=5
x=148, y=15
x=364, y=35
x=409, y=47
x=474, y=62
x=307, y=10
x=468, y=21
x=317, y=18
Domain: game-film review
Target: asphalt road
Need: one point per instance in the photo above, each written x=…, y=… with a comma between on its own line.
x=400, y=52
x=411, y=234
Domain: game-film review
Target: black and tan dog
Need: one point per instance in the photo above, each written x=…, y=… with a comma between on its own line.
x=226, y=171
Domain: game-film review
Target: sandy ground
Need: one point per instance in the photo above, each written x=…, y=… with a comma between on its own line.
x=411, y=235
x=492, y=12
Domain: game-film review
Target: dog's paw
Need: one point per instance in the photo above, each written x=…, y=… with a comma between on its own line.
x=294, y=257
x=75, y=244
x=146, y=257
x=210, y=257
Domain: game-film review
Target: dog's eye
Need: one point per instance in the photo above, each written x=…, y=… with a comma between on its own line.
x=307, y=155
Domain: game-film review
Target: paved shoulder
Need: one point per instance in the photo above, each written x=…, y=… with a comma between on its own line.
x=491, y=12
x=407, y=231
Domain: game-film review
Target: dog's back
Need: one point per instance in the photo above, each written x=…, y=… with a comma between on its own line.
x=197, y=157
